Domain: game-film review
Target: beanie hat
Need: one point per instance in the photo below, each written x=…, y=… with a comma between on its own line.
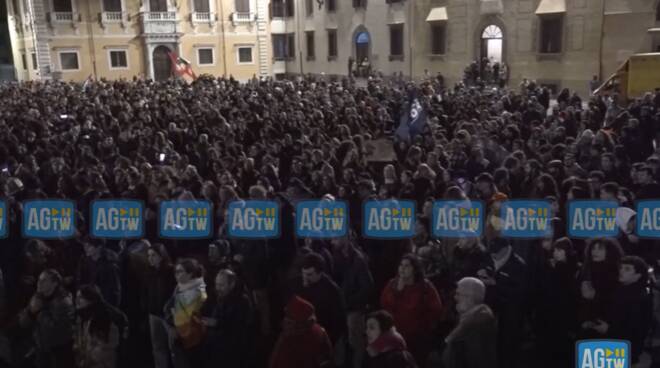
x=299, y=309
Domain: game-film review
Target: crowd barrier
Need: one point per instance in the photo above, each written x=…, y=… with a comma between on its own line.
x=378, y=219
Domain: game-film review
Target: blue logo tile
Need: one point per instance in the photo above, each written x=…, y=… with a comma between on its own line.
x=388, y=219
x=253, y=219
x=647, y=222
x=117, y=219
x=592, y=218
x=321, y=219
x=457, y=219
x=603, y=354
x=526, y=219
x=49, y=219
x=185, y=219
x=4, y=222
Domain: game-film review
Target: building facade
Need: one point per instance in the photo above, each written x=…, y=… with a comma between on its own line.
x=559, y=43
x=75, y=39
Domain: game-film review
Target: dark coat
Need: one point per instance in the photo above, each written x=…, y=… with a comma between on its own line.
x=103, y=273
x=472, y=344
x=52, y=326
x=328, y=301
x=628, y=316
x=355, y=280
x=157, y=287
x=228, y=342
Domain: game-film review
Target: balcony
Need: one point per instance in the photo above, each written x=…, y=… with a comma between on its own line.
x=242, y=17
x=63, y=17
x=203, y=17
x=159, y=22
x=113, y=18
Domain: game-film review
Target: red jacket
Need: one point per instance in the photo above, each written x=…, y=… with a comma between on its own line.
x=415, y=309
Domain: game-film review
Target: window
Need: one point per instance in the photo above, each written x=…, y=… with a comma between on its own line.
x=243, y=6
x=202, y=6
x=278, y=9
x=311, y=49
x=551, y=35
x=69, y=60
x=394, y=1
x=62, y=6
x=332, y=6
x=35, y=64
x=158, y=5
x=359, y=3
x=112, y=5
x=437, y=39
x=309, y=7
x=24, y=60
x=291, y=45
x=290, y=11
x=332, y=43
x=396, y=40
x=279, y=46
x=245, y=55
x=15, y=9
x=205, y=56
x=118, y=59
x=657, y=13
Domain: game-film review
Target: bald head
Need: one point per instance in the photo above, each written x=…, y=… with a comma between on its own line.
x=469, y=293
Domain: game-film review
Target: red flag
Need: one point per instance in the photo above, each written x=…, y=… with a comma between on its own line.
x=181, y=66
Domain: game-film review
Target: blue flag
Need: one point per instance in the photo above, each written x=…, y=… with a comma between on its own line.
x=412, y=122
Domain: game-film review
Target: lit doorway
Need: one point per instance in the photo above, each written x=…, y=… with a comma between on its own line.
x=362, y=46
x=491, y=43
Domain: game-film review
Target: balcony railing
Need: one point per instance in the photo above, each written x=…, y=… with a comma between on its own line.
x=110, y=17
x=160, y=16
x=242, y=17
x=203, y=17
x=62, y=17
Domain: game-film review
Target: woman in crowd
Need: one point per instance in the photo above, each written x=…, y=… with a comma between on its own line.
x=96, y=336
x=415, y=305
x=386, y=347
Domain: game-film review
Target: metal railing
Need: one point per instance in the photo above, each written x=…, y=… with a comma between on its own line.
x=112, y=16
x=203, y=17
x=62, y=16
x=242, y=17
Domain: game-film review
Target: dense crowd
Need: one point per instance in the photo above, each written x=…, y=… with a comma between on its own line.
x=307, y=303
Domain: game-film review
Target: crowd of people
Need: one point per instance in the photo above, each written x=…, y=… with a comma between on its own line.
x=311, y=303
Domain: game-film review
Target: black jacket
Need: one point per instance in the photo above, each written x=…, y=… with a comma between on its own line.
x=472, y=343
x=355, y=280
x=103, y=273
x=228, y=342
x=157, y=287
x=628, y=316
x=328, y=302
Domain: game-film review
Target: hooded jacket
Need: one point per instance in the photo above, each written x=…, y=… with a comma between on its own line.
x=472, y=344
x=302, y=343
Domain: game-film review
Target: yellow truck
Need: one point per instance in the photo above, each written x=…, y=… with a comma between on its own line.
x=638, y=75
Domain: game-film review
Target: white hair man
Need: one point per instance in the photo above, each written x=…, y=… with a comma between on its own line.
x=473, y=342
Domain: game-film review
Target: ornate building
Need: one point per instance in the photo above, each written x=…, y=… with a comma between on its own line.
x=73, y=39
x=560, y=43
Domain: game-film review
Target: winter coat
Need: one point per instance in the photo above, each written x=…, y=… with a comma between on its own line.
x=103, y=273
x=472, y=344
x=328, y=302
x=629, y=316
x=52, y=326
x=355, y=280
x=388, y=351
x=92, y=349
x=184, y=308
x=157, y=287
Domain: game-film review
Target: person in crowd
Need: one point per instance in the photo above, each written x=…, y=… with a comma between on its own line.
x=182, y=313
x=507, y=293
x=472, y=343
x=99, y=267
x=387, y=348
x=415, y=305
x=357, y=285
x=231, y=327
x=322, y=292
x=629, y=315
x=556, y=304
x=50, y=317
x=303, y=342
x=96, y=337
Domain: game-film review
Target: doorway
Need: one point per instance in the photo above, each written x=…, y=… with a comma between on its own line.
x=362, y=40
x=491, y=44
x=162, y=63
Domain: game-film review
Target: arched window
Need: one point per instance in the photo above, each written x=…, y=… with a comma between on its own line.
x=492, y=32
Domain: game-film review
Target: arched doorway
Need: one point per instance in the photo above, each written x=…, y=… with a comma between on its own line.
x=162, y=63
x=492, y=42
x=362, y=40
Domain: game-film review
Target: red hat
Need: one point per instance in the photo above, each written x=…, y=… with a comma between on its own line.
x=299, y=310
